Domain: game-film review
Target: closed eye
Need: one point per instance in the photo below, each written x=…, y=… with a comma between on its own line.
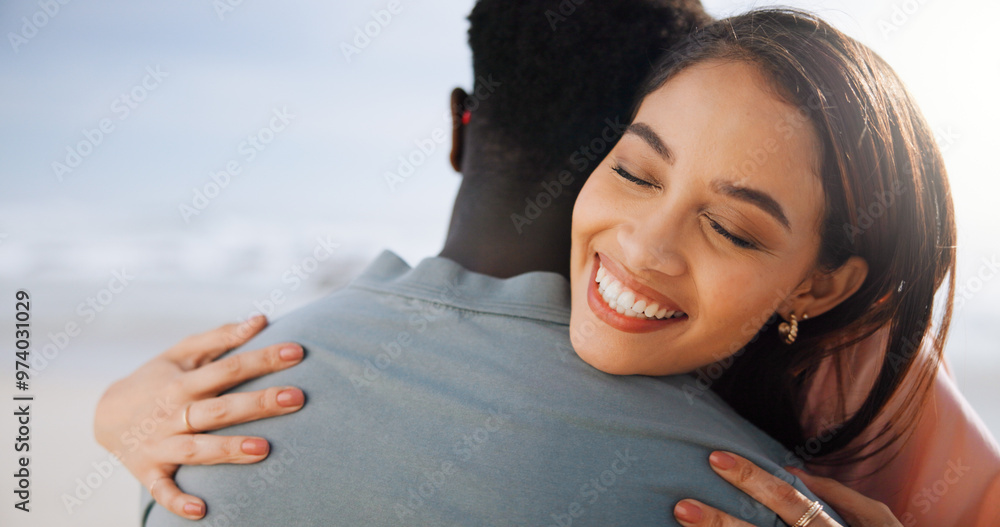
x=735, y=240
x=629, y=177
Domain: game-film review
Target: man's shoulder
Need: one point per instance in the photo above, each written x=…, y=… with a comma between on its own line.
x=429, y=412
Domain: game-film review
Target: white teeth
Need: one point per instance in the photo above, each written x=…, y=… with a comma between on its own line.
x=626, y=299
x=614, y=289
x=623, y=300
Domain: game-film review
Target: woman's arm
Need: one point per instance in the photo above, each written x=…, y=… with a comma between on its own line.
x=151, y=419
x=946, y=473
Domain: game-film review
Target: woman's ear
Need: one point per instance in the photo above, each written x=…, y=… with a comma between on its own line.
x=826, y=290
x=458, y=97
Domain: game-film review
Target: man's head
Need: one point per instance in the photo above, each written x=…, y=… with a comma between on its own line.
x=549, y=74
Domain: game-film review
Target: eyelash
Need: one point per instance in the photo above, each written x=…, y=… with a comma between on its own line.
x=629, y=177
x=735, y=240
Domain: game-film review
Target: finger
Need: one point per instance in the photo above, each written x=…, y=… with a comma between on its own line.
x=165, y=492
x=223, y=374
x=205, y=449
x=692, y=512
x=199, y=349
x=236, y=408
x=772, y=492
x=846, y=500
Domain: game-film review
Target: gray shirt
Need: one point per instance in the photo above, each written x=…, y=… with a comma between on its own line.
x=438, y=396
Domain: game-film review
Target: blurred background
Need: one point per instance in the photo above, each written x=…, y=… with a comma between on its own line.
x=167, y=167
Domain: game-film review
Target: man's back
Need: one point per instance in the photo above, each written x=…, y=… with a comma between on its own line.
x=437, y=396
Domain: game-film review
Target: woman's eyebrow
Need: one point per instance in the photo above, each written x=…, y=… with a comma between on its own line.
x=649, y=136
x=761, y=199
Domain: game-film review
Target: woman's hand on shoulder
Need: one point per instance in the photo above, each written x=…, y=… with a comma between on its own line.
x=152, y=419
x=786, y=501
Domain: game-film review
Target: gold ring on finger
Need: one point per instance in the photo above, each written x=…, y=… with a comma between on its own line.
x=187, y=423
x=811, y=513
x=153, y=486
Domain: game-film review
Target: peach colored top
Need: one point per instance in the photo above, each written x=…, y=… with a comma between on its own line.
x=947, y=473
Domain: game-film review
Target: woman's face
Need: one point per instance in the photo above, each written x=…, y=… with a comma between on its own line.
x=709, y=209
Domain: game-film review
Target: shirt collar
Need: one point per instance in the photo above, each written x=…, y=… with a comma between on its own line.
x=539, y=295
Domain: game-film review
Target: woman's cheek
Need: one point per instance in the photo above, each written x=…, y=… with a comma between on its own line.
x=739, y=303
x=588, y=211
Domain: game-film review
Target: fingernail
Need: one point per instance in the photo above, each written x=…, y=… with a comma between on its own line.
x=687, y=512
x=254, y=447
x=290, y=397
x=290, y=353
x=257, y=319
x=722, y=460
x=194, y=509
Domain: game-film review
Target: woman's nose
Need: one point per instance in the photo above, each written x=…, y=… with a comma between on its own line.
x=651, y=245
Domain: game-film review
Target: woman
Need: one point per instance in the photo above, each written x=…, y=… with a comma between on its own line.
x=776, y=162
x=753, y=156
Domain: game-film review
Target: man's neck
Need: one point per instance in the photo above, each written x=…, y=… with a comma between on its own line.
x=496, y=231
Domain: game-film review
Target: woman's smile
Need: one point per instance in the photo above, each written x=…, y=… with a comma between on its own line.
x=623, y=303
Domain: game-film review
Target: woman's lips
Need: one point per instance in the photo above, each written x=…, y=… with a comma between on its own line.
x=622, y=322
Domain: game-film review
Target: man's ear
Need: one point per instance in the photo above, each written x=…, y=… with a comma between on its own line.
x=458, y=97
x=826, y=290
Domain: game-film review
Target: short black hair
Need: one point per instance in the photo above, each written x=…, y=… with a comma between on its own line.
x=551, y=72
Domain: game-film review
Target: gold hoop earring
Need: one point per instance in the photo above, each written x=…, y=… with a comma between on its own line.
x=789, y=331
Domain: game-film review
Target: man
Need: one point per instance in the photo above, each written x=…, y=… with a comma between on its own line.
x=448, y=394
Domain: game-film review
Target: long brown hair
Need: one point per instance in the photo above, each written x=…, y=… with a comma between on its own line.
x=887, y=200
